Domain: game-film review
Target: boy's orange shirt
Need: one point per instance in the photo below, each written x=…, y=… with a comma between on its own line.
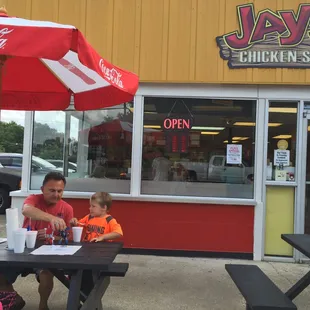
x=98, y=226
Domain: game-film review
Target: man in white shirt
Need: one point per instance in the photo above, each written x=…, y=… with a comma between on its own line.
x=161, y=167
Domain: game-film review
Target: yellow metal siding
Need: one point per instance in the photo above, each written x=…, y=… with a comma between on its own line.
x=162, y=40
x=280, y=202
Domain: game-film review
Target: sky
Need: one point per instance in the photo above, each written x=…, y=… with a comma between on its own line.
x=16, y=116
x=54, y=119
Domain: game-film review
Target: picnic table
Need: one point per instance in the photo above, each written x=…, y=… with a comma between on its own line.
x=86, y=273
x=300, y=242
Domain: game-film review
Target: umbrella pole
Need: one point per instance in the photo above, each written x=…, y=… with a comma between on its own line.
x=2, y=61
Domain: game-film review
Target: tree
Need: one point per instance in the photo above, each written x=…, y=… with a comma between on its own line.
x=11, y=137
x=42, y=132
x=47, y=142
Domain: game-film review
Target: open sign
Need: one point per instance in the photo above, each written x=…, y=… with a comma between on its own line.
x=177, y=124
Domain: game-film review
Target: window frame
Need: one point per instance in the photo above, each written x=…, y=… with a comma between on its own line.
x=299, y=104
x=244, y=92
x=188, y=198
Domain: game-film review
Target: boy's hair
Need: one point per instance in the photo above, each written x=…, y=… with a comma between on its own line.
x=55, y=176
x=103, y=199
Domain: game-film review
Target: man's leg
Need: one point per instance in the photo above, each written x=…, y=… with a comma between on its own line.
x=45, y=288
x=5, y=285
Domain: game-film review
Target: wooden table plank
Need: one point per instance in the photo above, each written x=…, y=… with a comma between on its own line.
x=92, y=256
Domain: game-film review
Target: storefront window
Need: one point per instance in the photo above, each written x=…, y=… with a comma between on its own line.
x=92, y=149
x=281, y=155
x=198, y=147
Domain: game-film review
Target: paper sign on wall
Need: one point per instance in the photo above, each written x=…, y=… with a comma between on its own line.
x=234, y=154
x=281, y=157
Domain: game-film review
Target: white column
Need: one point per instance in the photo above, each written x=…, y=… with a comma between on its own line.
x=27, y=150
x=137, y=139
x=259, y=181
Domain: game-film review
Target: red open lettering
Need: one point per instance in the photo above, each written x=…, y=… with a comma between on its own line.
x=177, y=123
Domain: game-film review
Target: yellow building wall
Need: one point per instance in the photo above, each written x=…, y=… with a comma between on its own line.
x=280, y=201
x=162, y=40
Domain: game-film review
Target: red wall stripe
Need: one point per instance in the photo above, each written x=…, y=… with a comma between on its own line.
x=177, y=226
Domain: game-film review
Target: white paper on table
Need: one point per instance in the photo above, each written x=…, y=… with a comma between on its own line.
x=3, y=240
x=56, y=250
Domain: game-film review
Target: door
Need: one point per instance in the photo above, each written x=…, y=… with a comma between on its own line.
x=307, y=191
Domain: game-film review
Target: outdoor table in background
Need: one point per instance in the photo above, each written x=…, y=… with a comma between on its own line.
x=300, y=242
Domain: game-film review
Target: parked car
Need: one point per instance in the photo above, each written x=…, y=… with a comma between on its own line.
x=10, y=180
x=217, y=170
x=15, y=161
x=59, y=164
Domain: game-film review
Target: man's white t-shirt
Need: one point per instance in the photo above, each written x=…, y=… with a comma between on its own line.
x=161, y=165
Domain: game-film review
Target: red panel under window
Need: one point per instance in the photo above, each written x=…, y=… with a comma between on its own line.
x=176, y=226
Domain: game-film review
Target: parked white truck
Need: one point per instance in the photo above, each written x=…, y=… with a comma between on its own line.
x=216, y=170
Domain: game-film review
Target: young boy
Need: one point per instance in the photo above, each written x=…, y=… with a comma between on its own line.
x=98, y=224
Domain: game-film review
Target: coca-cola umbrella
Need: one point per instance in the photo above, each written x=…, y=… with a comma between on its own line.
x=44, y=64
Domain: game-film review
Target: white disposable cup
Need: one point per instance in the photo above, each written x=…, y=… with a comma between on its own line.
x=31, y=237
x=77, y=233
x=19, y=241
x=23, y=230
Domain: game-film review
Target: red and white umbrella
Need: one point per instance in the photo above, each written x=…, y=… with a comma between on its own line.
x=44, y=64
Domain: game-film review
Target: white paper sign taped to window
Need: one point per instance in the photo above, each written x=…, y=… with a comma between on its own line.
x=234, y=154
x=281, y=157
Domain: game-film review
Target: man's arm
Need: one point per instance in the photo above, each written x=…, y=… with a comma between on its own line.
x=36, y=214
x=39, y=215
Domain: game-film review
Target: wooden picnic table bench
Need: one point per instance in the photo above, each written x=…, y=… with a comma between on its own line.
x=300, y=242
x=259, y=292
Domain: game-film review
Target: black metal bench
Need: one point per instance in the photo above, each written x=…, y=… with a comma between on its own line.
x=114, y=270
x=259, y=292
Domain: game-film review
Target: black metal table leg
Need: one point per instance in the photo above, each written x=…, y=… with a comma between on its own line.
x=73, y=302
x=99, y=306
x=297, y=288
x=96, y=276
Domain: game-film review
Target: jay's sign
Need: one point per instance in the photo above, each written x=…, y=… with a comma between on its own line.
x=269, y=39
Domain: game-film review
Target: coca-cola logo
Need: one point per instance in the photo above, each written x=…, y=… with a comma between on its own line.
x=3, y=33
x=111, y=75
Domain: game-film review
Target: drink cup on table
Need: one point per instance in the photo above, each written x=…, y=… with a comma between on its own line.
x=19, y=241
x=31, y=237
x=77, y=233
x=24, y=231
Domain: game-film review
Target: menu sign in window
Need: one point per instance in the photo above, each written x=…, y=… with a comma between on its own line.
x=281, y=158
x=234, y=154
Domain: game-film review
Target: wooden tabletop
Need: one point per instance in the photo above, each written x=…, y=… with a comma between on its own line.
x=300, y=242
x=92, y=256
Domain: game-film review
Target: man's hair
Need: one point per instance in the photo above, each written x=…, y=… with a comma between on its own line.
x=103, y=199
x=55, y=176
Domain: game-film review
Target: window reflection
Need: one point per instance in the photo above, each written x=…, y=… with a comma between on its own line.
x=185, y=147
x=282, y=127
x=92, y=149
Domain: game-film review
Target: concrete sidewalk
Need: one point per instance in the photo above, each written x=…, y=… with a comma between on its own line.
x=170, y=283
